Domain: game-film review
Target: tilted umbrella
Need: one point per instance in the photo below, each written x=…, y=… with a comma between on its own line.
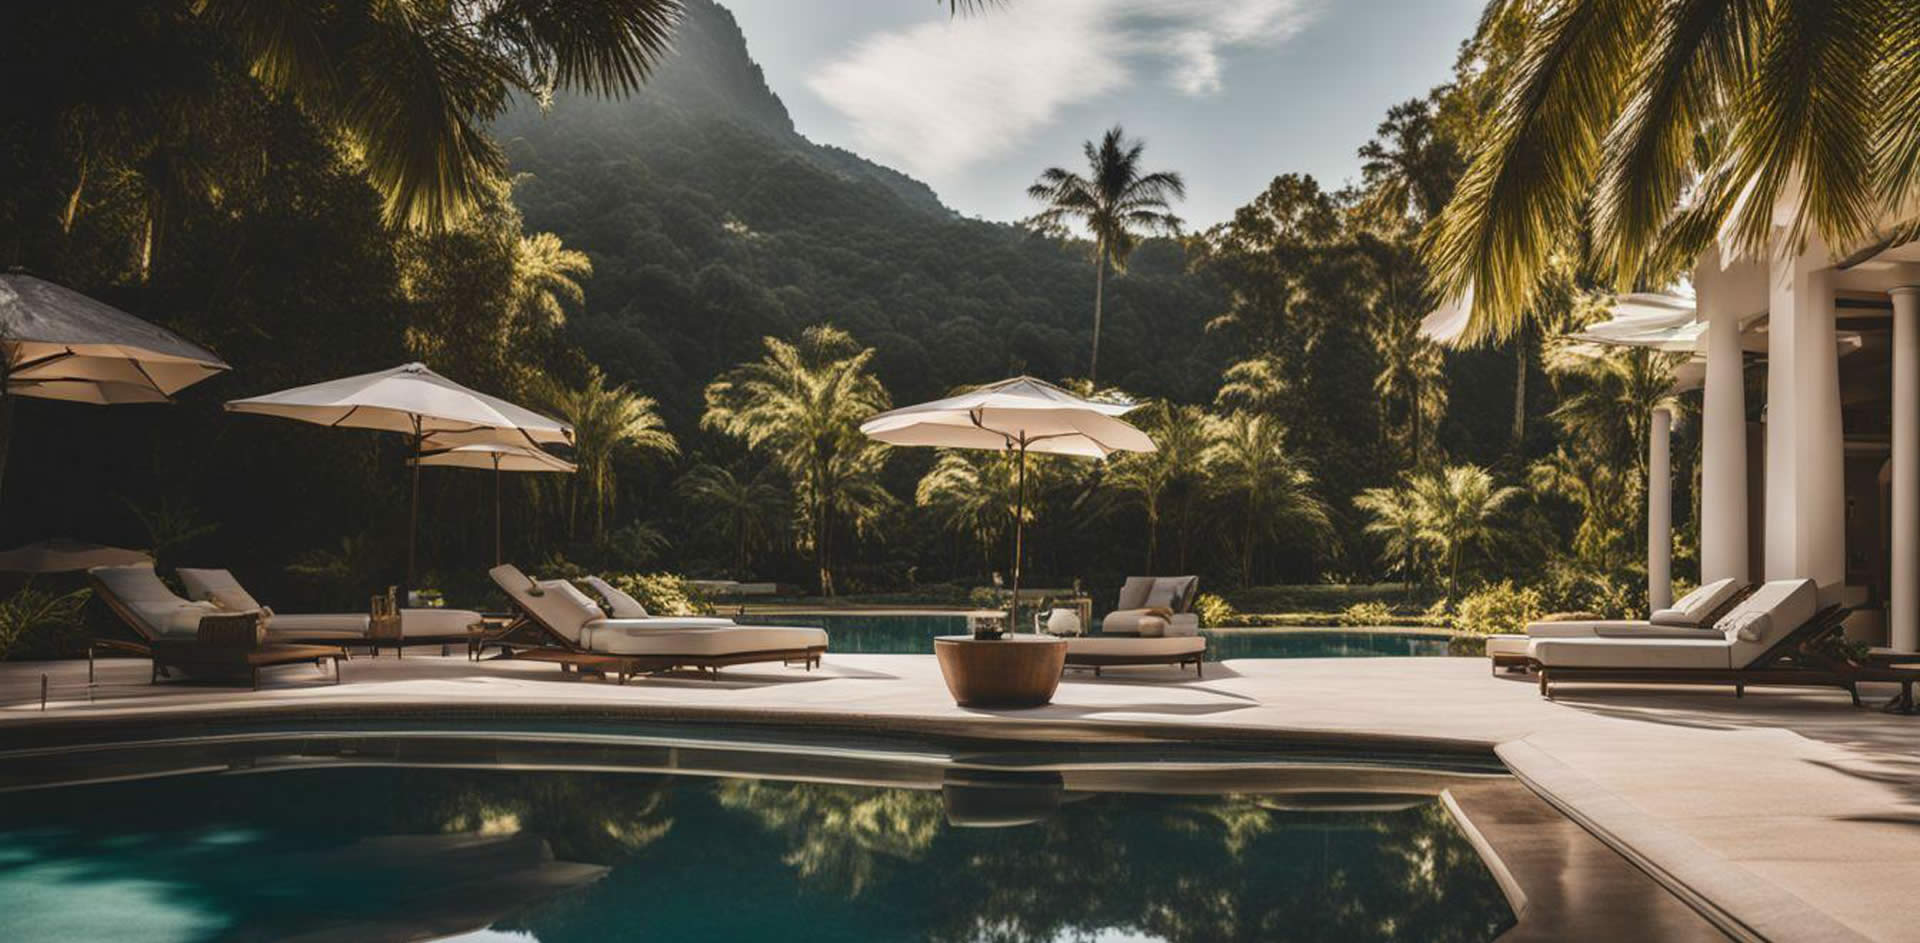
x=61, y=555
x=1019, y=415
x=418, y=402
x=56, y=343
x=500, y=458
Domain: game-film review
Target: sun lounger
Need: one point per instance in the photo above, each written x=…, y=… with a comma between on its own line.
x=1767, y=639
x=197, y=639
x=1152, y=624
x=1691, y=616
x=417, y=626
x=580, y=637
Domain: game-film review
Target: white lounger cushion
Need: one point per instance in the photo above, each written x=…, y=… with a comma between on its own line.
x=1580, y=628
x=318, y=625
x=218, y=587
x=1693, y=609
x=620, y=604
x=423, y=623
x=1134, y=622
x=1630, y=653
x=142, y=593
x=623, y=637
x=1144, y=646
x=1788, y=605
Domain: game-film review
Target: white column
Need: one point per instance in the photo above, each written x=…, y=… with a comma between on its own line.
x=1903, y=620
x=1806, y=496
x=1660, y=511
x=1723, y=449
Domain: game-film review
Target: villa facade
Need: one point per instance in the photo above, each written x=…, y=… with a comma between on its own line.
x=1809, y=364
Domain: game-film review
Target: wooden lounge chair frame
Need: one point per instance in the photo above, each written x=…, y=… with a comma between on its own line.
x=1788, y=662
x=226, y=646
x=572, y=658
x=1095, y=662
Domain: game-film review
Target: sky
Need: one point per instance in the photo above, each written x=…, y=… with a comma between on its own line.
x=1229, y=93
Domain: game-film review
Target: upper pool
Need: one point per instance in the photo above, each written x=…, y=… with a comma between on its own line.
x=911, y=633
x=558, y=836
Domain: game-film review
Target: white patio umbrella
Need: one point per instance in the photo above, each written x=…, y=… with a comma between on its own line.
x=1019, y=415
x=61, y=344
x=500, y=458
x=56, y=343
x=418, y=402
x=62, y=555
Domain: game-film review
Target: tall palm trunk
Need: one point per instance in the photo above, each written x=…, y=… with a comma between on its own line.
x=1246, y=546
x=1153, y=530
x=1519, y=388
x=1099, y=292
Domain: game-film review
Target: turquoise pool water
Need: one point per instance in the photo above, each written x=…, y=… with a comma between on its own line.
x=298, y=842
x=894, y=634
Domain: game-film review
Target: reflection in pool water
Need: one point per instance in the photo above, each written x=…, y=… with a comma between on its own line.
x=912, y=634
x=394, y=853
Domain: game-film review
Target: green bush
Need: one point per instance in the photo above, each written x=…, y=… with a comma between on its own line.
x=1499, y=609
x=41, y=623
x=1213, y=611
x=1367, y=614
x=1606, y=595
x=664, y=594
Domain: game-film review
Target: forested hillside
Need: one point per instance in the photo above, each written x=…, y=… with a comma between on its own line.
x=711, y=223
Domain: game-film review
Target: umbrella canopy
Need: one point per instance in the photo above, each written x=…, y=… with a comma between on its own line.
x=500, y=458
x=419, y=402
x=60, y=344
x=1006, y=414
x=414, y=400
x=61, y=555
x=1019, y=415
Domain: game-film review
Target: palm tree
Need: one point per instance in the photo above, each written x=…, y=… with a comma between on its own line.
x=749, y=508
x=1411, y=380
x=803, y=403
x=607, y=422
x=545, y=272
x=1409, y=167
x=1459, y=504
x=1250, y=466
x=974, y=494
x=1604, y=108
x=1398, y=518
x=1172, y=471
x=1608, y=398
x=1116, y=203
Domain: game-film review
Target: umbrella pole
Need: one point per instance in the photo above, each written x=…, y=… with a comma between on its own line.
x=413, y=514
x=1019, y=528
x=496, y=509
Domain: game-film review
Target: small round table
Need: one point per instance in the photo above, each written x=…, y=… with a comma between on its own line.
x=1015, y=671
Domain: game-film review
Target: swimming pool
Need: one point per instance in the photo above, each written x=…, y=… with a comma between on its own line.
x=565, y=835
x=900, y=633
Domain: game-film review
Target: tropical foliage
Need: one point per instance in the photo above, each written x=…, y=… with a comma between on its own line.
x=716, y=302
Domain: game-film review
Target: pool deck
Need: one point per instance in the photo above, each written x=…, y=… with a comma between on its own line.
x=1784, y=815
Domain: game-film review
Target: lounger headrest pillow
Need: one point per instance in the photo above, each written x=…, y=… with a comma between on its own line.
x=218, y=587
x=1133, y=595
x=564, y=590
x=1787, y=604
x=1748, y=626
x=1693, y=609
x=620, y=604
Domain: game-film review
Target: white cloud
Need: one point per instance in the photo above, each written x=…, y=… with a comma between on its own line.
x=941, y=96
